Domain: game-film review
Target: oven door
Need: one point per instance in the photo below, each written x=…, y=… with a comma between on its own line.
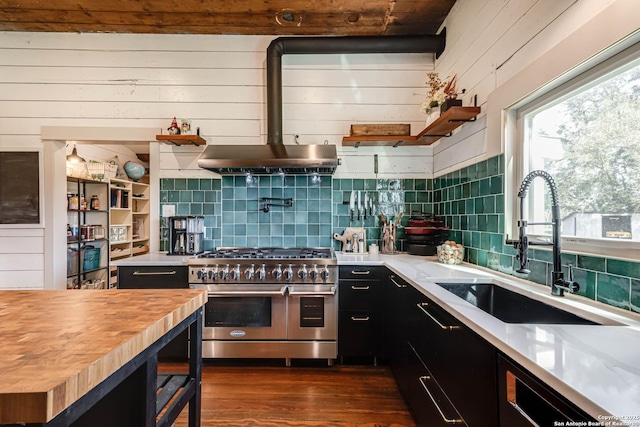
x=312, y=313
x=245, y=312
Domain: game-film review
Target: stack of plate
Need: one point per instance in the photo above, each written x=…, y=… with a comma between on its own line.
x=424, y=233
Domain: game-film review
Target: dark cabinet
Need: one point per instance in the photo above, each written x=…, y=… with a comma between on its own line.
x=445, y=371
x=361, y=311
x=524, y=401
x=159, y=277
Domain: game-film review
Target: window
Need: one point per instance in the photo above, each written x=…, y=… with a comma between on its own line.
x=586, y=134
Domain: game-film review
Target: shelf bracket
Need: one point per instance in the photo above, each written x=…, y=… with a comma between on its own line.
x=357, y=144
x=462, y=120
x=397, y=144
x=438, y=136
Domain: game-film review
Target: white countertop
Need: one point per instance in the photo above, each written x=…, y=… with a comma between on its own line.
x=151, y=259
x=595, y=367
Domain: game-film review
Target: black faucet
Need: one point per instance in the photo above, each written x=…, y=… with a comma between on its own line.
x=558, y=284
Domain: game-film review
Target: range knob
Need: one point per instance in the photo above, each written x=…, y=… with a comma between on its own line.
x=202, y=274
x=314, y=272
x=213, y=273
x=288, y=273
x=324, y=274
x=224, y=272
x=249, y=272
x=261, y=272
x=277, y=272
x=235, y=272
x=302, y=273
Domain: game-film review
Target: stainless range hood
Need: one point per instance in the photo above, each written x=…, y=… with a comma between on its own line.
x=270, y=159
x=275, y=157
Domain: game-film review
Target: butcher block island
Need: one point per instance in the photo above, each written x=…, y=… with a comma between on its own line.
x=90, y=357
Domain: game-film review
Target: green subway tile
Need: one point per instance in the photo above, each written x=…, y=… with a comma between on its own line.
x=198, y=196
x=464, y=222
x=493, y=260
x=186, y=196
x=422, y=197
x=587, y=281
x=485, y=241
x=217, y=184
x=481, y=168
x=541, y=254
x=635, y=295
x=430, y=184
x=479, y=205
x=470, y=206
x=409, y=184
x=613, y=290
x=501, y=163
x=370, y=184
x=466, y=190
x=265, y=181
x=499, y=203
x=489, y=203
x=495, y=186
x=496, y=243
x=458, y=192
x=227, y=193
x=208, y=209
x=538, y=271
x=492, y=224
x=482, y=258
x=183, y=209
x=180, y=184
x=566, y=259
x=482, y=223
x=624, y=268
x=472, y=172
x=193, y=184
x=227, y=181
x=472, y=222
x=506, y=263
x=173, y=196
x=205, y=184
x=591, y=263
x=475, y=188
x=421, y=184
x=475, y=239
x=410, y=197
x=358, y=184
x=167, y=184
x=210, y=196
x=493, y=166
x=485, y=187
x=471, y=255
x=466, y=239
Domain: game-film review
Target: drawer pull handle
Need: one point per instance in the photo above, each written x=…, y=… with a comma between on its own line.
x=396, y=283
x=360, y=319
x=360, y=288
x=422, y=306
x=154, y=273
x=361, y=273
x=423, y=382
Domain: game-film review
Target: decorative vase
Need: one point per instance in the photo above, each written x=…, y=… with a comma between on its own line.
x=450, y=102
x=432, y=115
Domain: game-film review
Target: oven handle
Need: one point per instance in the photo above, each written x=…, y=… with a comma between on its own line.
x=281, y=292
x=154, y=273
x=329, y=292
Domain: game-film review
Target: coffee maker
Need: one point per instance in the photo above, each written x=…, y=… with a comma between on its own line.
x=186, y=235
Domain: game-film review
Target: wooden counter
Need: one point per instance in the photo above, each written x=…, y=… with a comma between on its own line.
x=56, y=346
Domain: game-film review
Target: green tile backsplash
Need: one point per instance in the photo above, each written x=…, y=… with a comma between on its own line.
x=472, y=202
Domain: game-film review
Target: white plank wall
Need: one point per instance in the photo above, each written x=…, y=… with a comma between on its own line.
x=489, y=42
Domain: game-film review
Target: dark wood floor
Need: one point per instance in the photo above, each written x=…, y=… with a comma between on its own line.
x=268, y=395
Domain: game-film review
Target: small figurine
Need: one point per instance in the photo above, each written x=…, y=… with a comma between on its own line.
x=186, y=126
x=174, y=129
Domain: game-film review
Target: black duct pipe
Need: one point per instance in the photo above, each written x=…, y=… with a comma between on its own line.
x=333, y=45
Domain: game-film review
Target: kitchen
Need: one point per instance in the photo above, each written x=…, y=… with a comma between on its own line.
x=488, y=46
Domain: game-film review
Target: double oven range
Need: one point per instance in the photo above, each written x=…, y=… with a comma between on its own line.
x=268, y=302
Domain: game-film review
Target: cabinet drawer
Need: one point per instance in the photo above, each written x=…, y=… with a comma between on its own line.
x=361, y=272
x=153, y=277
x=360, y=333
x=430, y=405
x=360, y=295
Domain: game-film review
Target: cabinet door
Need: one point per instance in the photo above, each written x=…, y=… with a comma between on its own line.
x=360, y=295
x=397, y=324
x=462, y=363
x=360, y=333
x=153, y=277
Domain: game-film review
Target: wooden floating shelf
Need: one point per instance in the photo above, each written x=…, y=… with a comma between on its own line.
x=448, y=121
x=181, y=139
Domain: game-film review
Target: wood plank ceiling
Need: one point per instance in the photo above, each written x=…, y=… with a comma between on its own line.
x=251, y=17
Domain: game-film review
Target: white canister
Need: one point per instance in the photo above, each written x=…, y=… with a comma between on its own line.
x=373, y=249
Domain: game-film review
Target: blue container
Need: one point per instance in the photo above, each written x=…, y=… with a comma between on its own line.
x=90, y=258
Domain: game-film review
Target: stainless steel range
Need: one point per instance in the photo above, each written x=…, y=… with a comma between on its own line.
x=268, y=302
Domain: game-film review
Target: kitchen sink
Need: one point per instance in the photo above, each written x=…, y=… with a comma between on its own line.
x=512, y=307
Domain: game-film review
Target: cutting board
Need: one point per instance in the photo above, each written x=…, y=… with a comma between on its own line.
x=348, y=233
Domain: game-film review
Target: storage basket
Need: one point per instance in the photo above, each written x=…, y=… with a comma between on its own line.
x=100, y=171
x=72, y=261
x=90, y=258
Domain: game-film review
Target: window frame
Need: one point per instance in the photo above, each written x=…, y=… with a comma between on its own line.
x=589, y=75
